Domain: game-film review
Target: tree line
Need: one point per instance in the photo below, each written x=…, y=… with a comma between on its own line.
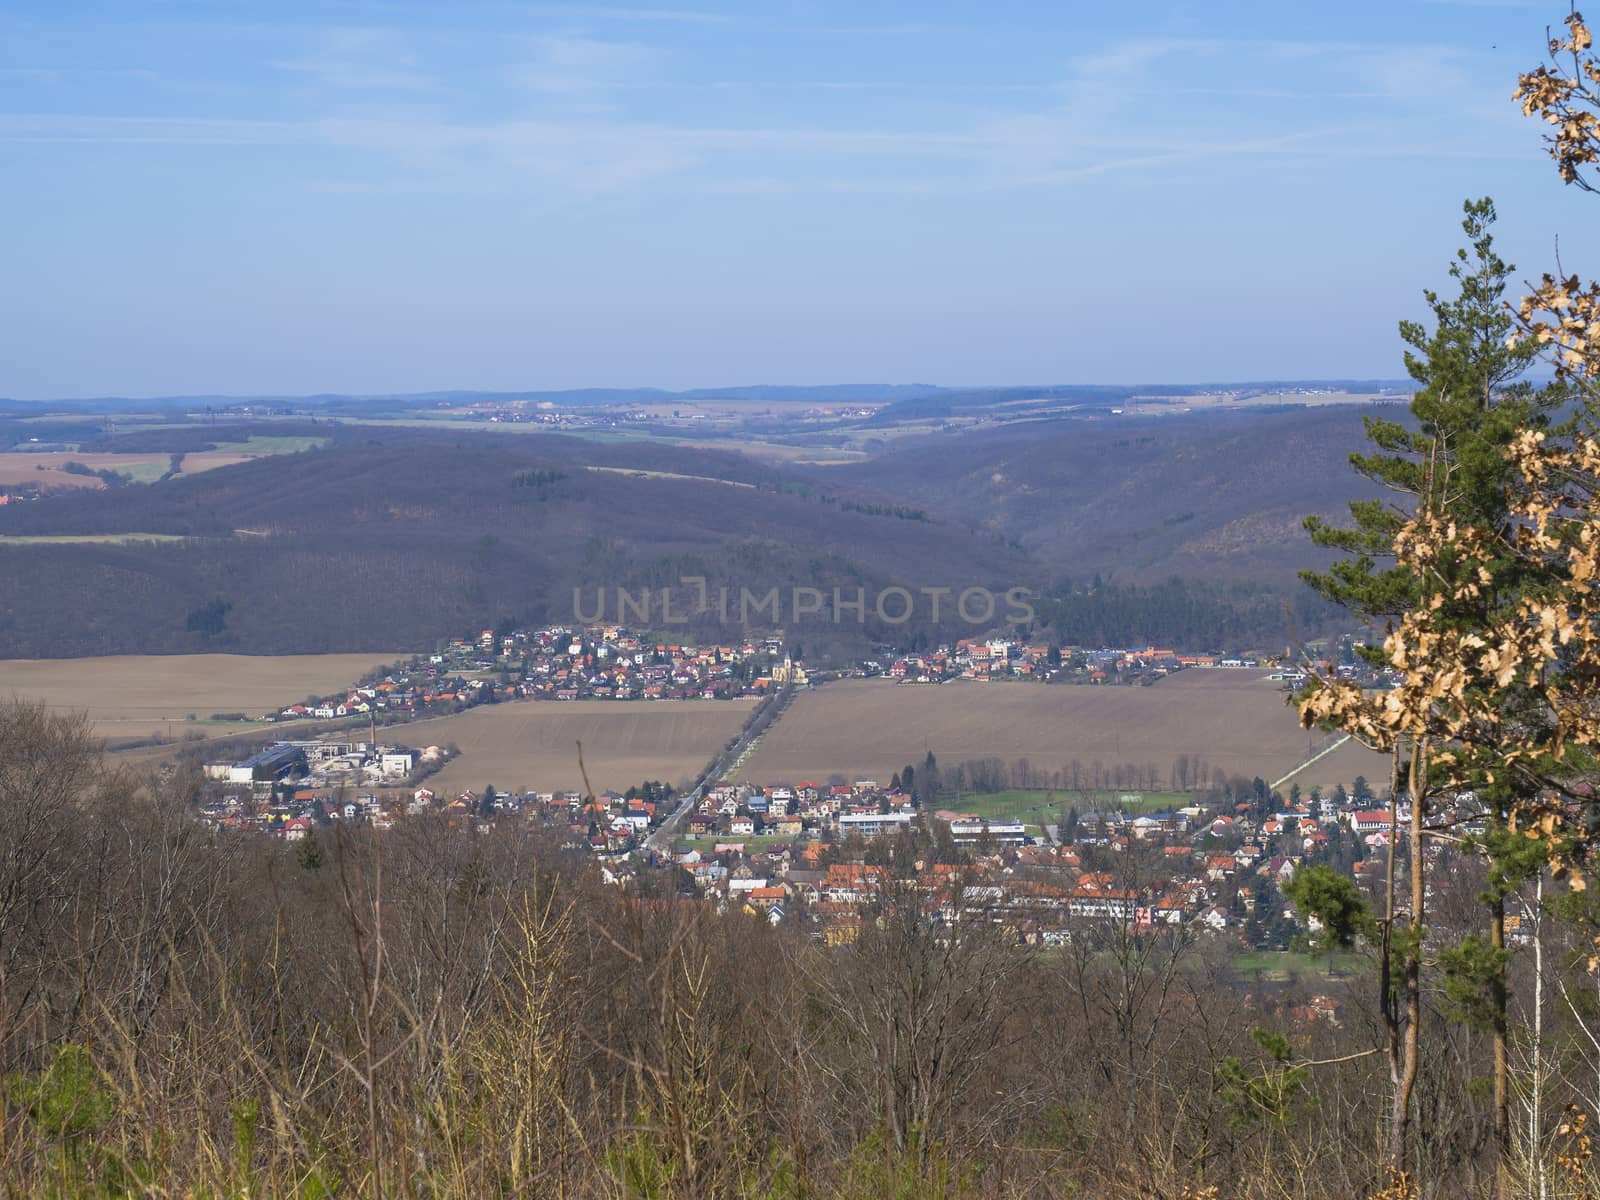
x=1181, y=613
x=987, y=776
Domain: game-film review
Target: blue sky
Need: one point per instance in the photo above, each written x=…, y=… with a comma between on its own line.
x=206, y=196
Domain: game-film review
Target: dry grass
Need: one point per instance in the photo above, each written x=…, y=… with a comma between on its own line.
x=638, y=474
x=533, y=744
x=87, y=539
x=868, y=729
x=47, y=469
x=210, y=460
x=135, y=696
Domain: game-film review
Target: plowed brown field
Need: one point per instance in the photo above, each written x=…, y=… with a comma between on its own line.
x=137, y=696
x=1234, y=719
x=528, y=745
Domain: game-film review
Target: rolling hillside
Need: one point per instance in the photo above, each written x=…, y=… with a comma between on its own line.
x=1215, y=495
x=387, y=541
x=389, y=537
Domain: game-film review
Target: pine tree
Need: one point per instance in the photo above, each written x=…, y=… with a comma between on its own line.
x=1467, y=409
x=1451, y=464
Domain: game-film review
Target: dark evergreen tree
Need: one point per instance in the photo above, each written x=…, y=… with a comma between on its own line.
x=1469, y=405
x=308, y=851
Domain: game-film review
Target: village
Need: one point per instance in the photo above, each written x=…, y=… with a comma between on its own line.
x=822, y=854
x=554, y=663
x=611, y=662
x=816, y=852
x=825, y=854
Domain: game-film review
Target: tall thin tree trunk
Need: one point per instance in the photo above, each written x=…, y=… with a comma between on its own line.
x=1536, y=1090
x=1499, y=1008
x=1405, y=1077
x=1395, y=1144
x=1498, y=1000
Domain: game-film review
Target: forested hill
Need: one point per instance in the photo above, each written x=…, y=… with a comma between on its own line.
x=396, y=537
x=1216, y=496
x=398, y=540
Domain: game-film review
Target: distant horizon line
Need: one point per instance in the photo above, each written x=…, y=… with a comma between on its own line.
x=747, y=393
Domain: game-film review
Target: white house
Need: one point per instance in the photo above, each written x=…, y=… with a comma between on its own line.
x=397, y=762
x=870, y=825
x=1375, y=820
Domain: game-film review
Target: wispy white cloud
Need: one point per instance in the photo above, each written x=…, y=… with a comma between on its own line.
x=679, y=16
x=1408, y=73
x=574, y=64
x=888, y=31
x=593, y=157
x=360, y=59
x=120, y=130
x=1327, y=69
x=1140, y=105
x=1297, y=142
x=32, y=74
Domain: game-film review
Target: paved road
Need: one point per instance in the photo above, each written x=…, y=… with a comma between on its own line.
x=661, y=839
